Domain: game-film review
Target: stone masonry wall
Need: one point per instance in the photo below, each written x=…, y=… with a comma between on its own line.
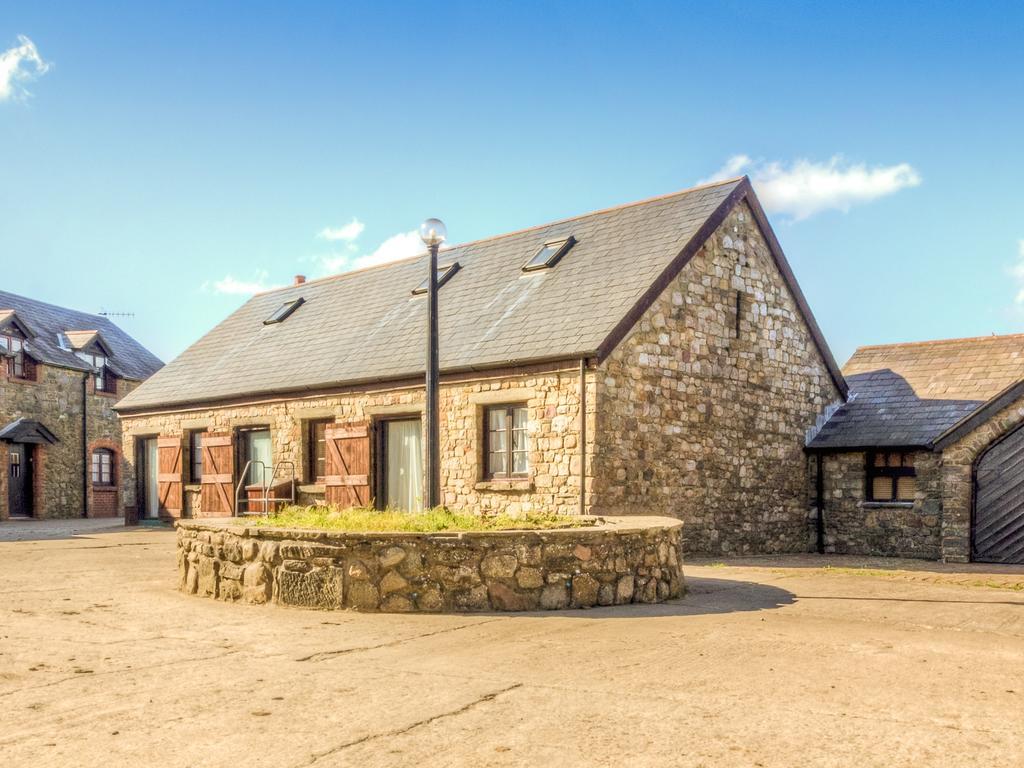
x=855, y=526
x=957, y=479
x=55, y=400
x=552, y=400
x=698, y=423
x=628, y=561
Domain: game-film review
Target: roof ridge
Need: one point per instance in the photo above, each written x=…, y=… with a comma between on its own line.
x=597, y=212
x=95, y=315
x=931, y=342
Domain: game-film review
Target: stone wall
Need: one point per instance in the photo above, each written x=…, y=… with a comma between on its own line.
x=552, y=399
x=855, y=526
x=54, y=399
x=698, y=422
x=957, y=479
x=621, y=561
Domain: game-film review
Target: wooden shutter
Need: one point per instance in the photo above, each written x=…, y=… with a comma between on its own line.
x=168, y=477
x=347, y=482
x=218, y=473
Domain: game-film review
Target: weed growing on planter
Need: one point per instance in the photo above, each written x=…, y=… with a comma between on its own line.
x=363, y=519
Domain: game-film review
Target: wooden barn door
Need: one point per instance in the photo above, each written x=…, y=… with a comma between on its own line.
x=218, y=473
x=997, y=534
x=347, y=481
x=168, y=478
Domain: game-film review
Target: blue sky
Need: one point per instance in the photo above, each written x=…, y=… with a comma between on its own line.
x=162, y=159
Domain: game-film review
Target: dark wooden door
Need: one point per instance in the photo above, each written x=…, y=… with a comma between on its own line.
x=19, y=480
x=998, y=529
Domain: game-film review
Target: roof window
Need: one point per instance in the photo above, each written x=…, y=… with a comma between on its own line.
x=282, y=312
x=549, y=254
x=445, y=272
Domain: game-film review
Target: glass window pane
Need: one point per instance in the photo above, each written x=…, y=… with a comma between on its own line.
x=497, y=418
x=520, y=462
x=259, y=450
x=906, y=488
x=404, y=470
x=881, y=489
x=496, y=463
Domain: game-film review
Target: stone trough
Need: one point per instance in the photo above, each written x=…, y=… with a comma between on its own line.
x=615, y=561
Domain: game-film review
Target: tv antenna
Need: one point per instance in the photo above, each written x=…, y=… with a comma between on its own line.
x=105, y=313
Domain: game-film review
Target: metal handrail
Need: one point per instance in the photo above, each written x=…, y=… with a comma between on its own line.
x=264, y=486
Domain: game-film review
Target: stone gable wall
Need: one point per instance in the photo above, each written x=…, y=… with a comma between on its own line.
x=55, y=400
x=855, y=526
x=957, y=479
x=696, y=423
x=552, y=399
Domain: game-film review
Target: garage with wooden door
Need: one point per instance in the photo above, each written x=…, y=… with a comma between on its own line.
x=998, y=520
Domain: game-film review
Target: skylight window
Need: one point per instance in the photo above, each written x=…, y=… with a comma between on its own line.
x=445, y=272
x=282, y=312
x=549, y=254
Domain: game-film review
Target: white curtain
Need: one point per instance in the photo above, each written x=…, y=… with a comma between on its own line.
x=260, y=449
x=152, y=490
x=405, y=465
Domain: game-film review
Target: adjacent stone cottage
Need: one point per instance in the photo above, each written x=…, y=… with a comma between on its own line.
x=61, y=371
x=654, y=358
x=926, y=459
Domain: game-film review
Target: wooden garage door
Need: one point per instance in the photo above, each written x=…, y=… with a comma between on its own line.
x=218, y=470
x=168, y=476
x=998, y=535
x=347, y=482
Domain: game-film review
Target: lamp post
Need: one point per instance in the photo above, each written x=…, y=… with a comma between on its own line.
x=433, y=233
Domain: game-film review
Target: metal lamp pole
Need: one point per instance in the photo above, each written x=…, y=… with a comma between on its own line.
x=433, y=233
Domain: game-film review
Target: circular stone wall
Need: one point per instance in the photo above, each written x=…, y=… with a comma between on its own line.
x=616, y=561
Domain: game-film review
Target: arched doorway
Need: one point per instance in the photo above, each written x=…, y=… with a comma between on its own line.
x=997, y=524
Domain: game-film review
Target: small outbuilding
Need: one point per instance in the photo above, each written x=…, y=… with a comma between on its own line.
x=926, y=458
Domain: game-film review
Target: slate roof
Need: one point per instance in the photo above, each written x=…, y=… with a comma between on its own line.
x=366, y=326
x=46, y=322
x=910, y=394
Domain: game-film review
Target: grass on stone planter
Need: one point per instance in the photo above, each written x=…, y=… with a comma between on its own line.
x=360, y=519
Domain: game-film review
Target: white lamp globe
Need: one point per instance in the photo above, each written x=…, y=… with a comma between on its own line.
x=433, y=232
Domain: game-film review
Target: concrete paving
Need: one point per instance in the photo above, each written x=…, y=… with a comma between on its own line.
x=773, y=662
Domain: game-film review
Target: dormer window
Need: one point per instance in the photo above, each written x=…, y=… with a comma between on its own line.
x=549, y=254
x=445, y=273
x=282, y=312
x=99, y=363
x=12, y=349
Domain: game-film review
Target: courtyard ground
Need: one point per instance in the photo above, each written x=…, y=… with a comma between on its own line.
x=768, y=662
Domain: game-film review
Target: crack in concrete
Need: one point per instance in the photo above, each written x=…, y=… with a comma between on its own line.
x=323, y=655
x=317, y=756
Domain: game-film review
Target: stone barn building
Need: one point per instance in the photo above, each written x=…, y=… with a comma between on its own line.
x=927, y=457
x=61, y=372
x=654, y=358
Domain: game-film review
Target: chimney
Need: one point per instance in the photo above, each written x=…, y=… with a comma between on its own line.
x=299, y=280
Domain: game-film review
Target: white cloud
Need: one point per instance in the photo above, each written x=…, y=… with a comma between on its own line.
x=231, y=286
x=347, y=233
x=19, y=65
x=1017, y=272
x=396, y=247
x=804, y=188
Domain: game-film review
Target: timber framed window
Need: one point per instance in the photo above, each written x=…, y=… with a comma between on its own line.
x=316, y=450
x=506, y=442
x=102, y=376
x=891, y=476
x=19, y=365
x=195, y=455
x=103, y=467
